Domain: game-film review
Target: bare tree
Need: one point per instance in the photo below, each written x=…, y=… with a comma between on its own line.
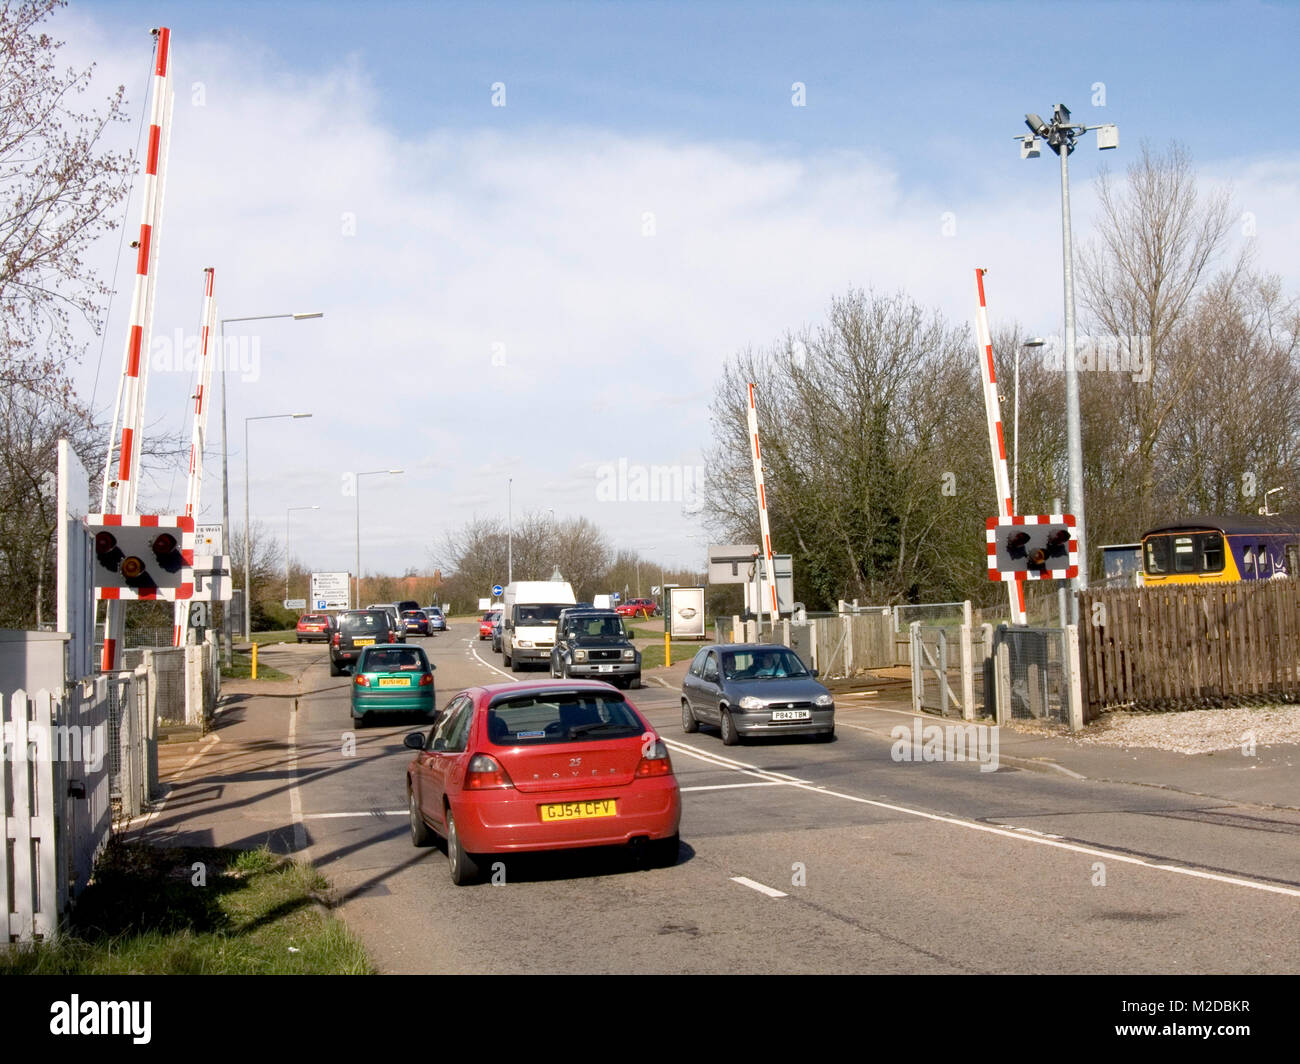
x=31, y=425
x=58, y=186
x=1157, y=238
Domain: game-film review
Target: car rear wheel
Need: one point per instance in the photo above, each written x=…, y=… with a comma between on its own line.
x=663, y=852
x=420, y=833
x=464, y=869
x=730, y=737
x=689, y=724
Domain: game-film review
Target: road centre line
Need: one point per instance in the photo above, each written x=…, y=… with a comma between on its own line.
x=989, y=829
x=771, y=892
x=733, y=786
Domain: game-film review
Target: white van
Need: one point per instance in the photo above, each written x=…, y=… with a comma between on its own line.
x=530, y=611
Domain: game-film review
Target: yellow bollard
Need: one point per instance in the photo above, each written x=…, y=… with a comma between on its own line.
x=668, y=651
x=254, y=669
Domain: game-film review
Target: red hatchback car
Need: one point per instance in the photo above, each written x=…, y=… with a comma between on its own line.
x=315, y=626
x=522, y=767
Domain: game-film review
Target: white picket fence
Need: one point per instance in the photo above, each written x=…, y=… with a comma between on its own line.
x=55, y=805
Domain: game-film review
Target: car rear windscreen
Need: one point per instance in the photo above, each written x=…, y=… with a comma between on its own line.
x=560, y=718
x=369, y=621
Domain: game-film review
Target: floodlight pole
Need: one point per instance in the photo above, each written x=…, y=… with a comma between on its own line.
x=1060, y=135
x=1073, y=431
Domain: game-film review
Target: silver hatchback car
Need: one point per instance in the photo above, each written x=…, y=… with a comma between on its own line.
x=755, y=689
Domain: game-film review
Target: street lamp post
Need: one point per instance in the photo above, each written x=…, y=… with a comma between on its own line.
x=1037, y=341
x=510, y=531
x=1061, y=135
x=248, y=526
x=287, y=512
x=367, y=473
x=225, y=451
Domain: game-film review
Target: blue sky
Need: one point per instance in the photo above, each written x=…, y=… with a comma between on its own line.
x=518, y=231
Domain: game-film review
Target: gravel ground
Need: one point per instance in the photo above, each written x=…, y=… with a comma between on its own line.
x=1197, y=731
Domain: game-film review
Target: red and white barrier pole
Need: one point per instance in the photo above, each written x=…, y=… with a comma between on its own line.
x=129, y=414
x=194, y=485
x=997, y=441
x=764, y=526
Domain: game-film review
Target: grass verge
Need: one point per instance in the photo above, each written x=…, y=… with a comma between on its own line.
x=283, y=635
x=652, y=656
x=241, y=668
x=196, y=911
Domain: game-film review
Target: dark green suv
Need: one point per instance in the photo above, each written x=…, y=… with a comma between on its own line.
x=593, y=644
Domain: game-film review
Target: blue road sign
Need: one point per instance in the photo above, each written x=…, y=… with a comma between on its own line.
x=496, y=590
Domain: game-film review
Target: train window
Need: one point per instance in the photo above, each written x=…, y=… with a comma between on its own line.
x=1184, y=554
x=1211, y=552
x=1157, y=555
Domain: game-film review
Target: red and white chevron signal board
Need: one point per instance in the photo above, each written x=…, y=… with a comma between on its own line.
x=149, y=557
x=1032, y=547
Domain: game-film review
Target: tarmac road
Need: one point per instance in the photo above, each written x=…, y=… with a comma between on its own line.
x=802, y=857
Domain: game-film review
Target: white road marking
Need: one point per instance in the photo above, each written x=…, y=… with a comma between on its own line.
x=474, y=650
x=769, y=891
x=369, y=812
x=733, y=786
x=971, y=825
x=295, y=796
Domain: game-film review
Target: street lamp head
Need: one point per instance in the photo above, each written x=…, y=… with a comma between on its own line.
x=397, y=471
x=1036, y=125
x=309, y=314
x=300, y=415
x=1036, y=341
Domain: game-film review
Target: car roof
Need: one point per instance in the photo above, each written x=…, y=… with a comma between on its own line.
x=525, y=687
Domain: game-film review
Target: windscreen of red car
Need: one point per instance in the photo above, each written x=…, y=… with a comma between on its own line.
x=536, y=720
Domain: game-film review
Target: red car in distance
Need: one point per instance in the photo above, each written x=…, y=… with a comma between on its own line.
x=315, y=627
x=486, y=622
x=637, y=608
x=552, y=765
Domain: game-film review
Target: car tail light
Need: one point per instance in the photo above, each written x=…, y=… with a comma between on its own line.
x=362, y=680
x=426, y=680
x=336, y=638
x=655, y=762
x=485, y=773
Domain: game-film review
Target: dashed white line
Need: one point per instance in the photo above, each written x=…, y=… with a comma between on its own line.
x=771, y=892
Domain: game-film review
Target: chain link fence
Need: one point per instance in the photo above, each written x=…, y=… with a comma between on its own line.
x=1037, y=671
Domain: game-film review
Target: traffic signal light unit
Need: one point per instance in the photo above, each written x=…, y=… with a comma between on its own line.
x=1033, y=547
x=143, y=556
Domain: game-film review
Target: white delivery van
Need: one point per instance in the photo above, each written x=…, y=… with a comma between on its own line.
x=530, y=610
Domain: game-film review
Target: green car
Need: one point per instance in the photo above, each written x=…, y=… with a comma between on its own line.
x=392, y=678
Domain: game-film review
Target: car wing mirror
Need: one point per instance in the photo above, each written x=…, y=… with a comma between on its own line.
x=815, y=673
x=414, y=741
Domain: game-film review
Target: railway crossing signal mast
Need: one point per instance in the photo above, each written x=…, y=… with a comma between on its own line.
x=128, y=417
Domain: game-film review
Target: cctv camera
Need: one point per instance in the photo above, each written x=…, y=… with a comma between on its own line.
x=1036, y=124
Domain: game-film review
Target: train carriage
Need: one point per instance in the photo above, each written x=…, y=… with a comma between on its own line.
x=1199, y=550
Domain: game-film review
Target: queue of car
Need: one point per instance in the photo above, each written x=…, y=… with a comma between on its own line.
x=566, y=761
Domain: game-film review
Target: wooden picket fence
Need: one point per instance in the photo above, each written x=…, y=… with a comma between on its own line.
x=55, y=812
x=1190, y=647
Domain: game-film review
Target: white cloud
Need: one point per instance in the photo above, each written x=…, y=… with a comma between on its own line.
x=526, y=248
